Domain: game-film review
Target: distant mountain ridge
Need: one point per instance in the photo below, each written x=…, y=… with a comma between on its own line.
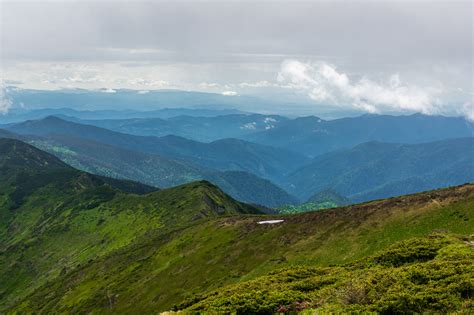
x=314, y=136
x=197, y=128
x=102, y=159
x=376, y=170
x=371, y=170
x=124, y=99
x=309, y=135
x=226, y=154
x=16, y=115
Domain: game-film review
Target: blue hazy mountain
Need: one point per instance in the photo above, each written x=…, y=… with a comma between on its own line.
x=314, y=136
x=376, y=170
x=309, y=136
x=281, y=165
x=16, y=115
x=152, y=169
x=224, y=155
x=123, y=99
x=192, y=127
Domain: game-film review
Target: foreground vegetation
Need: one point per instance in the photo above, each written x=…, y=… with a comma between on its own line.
x=434, y=274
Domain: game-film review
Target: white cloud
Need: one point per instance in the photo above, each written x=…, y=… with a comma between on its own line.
x=5, y=101
x=467, y=109
x=259, y=84
x=229, y=93
x=108, y=91
x=82, y=78
x=250, y=126
x=143, y=92
x=324, y=83
x=141, y=82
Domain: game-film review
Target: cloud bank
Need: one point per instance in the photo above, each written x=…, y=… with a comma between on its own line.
x=325, y=84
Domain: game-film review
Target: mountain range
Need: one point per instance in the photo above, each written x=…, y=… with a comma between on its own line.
x=313, y=136
x=310, y=136
x=155, y=170
x=16, y=115
x=204, y=129
x=72, y=242
x=376, y=170
x=225, y=154
x=146, y=100
x=267, y=175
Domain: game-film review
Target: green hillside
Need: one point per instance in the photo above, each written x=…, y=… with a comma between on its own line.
x=55, y=218
x=434, y=274
x=81, y=246
x=158, y=272
x=325, y=199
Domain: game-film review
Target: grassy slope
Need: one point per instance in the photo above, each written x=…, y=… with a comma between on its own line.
x=434, y=274
x=53, y=218
x=160, y=270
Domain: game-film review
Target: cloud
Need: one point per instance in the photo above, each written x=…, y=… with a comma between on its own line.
x=147, y=82
x=325, y=84
x=143, y=92
x=13, y=82
x=467, y=110
x=5, y=104
x=108, y=91
x=5, y=101
x=259, y=84
x=229, y=93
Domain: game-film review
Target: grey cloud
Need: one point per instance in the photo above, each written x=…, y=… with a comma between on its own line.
x=235, y=46
x=225, y=31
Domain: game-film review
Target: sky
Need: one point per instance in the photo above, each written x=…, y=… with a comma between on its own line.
x=371, y=56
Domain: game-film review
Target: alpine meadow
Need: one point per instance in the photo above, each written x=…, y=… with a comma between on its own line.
x=236, y=157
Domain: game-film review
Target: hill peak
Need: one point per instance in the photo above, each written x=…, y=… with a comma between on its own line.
x=51, y=119
x=17, y=154
x=202, y=199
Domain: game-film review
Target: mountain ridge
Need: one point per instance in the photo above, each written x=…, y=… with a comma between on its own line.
x=155, y=170
x=242, y=249
x=55, y=218
x=367, y=170
x=266, y=162
x=313, y=136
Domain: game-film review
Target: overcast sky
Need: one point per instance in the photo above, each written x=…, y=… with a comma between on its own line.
x=370, y=55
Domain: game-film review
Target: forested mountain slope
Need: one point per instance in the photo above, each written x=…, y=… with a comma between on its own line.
x=376, y=170
x=56, y=218
x=314, y=136
x=226, y=154
x=77, y=245
x=153, y=169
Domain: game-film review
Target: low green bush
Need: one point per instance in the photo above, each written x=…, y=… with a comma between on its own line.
x=433, y=274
